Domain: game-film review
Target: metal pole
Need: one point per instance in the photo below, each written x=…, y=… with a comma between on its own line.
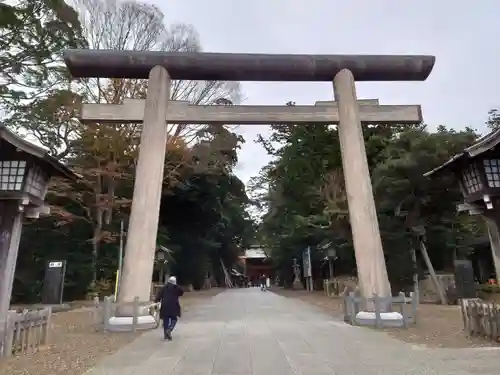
x=63, y=271
x=120, y=259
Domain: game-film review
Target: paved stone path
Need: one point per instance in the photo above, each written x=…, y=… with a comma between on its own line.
x=248, y=332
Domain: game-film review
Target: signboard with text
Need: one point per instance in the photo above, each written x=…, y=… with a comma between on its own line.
x=53, y=283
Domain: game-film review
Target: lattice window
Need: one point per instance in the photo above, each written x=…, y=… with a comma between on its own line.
x=36, y=182
x=492, y=171
x=12, y=174
x=472, y=181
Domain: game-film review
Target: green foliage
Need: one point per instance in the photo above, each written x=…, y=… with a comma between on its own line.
x=493, y=119
x=489, y=288
x=207, y=221
x=44, y=240
x=304, y=198
x=102, y=288
x=32, y=37
x=39, y=99
x=296, y=216
x=402, y=190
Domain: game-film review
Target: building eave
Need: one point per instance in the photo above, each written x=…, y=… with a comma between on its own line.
x=484, y=144
x=58, y=168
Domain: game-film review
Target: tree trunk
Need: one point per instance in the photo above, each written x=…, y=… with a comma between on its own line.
x=96, y=239
x=437, y=284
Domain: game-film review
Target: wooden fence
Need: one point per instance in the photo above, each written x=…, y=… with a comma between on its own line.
x=481, y=318
x=406, y=306
x=25, y=332
x=105, y=310
x=331, y=288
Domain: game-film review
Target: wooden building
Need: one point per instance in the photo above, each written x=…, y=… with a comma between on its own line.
x=477, y=172
x=257, y=262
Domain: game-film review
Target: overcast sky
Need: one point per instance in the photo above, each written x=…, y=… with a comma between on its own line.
x=463, y=35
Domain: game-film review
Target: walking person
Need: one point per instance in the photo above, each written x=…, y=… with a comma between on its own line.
x=263, y=282
x=170, y=309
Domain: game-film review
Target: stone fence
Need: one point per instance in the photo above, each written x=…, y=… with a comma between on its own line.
x=400, y=311
x=105, y=314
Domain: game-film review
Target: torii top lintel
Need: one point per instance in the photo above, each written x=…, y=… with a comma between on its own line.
x=246, y=67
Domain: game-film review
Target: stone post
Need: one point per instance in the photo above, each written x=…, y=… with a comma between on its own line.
x=297, y=283
x=143, y=225
x=372, y=272
x=493, y=224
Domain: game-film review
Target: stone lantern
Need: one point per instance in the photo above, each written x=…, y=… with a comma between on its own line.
x=161, y=258
x=477, y=171
x=25, y=173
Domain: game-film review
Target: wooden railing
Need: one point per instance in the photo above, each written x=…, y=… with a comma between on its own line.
x=25, y=332
x=481, y=318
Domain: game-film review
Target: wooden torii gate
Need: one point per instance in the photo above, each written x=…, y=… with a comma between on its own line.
x=156, y=110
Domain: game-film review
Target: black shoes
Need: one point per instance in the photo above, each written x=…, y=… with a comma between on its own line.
x=167, y=336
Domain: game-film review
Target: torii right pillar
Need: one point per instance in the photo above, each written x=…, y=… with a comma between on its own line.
x=372, y=270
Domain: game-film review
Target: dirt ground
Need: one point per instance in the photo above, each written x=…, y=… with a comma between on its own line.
x=437, y=326
x=75, y=346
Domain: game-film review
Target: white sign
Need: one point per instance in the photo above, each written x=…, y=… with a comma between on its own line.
x=55, y=264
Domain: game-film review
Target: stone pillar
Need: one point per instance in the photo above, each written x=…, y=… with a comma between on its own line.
x=143, y=226
x=493, y=225
x=10, y=234
x=372, y=271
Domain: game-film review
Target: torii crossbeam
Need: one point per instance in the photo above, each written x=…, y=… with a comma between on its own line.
x=181, y=112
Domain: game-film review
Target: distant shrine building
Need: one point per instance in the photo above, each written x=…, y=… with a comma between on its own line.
x=256, y=262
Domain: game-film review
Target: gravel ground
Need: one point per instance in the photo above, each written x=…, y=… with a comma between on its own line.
x=75, y=346
x=437, y=326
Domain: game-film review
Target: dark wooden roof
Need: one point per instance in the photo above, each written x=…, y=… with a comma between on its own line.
x=484, y=144
x=54, y=166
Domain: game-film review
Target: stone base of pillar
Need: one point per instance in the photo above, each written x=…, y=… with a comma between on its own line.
x=297, y=284
x=121, y=318
x=388, y=319
x=126, y=323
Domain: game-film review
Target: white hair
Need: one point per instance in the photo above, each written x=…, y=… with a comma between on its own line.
x=172, y=280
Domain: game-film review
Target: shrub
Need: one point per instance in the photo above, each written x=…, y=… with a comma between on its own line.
x=102, y=288
x=489, y=288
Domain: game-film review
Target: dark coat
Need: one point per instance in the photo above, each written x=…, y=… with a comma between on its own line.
x=169, y=297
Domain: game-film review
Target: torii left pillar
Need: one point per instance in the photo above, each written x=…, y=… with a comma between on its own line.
x=143, y=225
